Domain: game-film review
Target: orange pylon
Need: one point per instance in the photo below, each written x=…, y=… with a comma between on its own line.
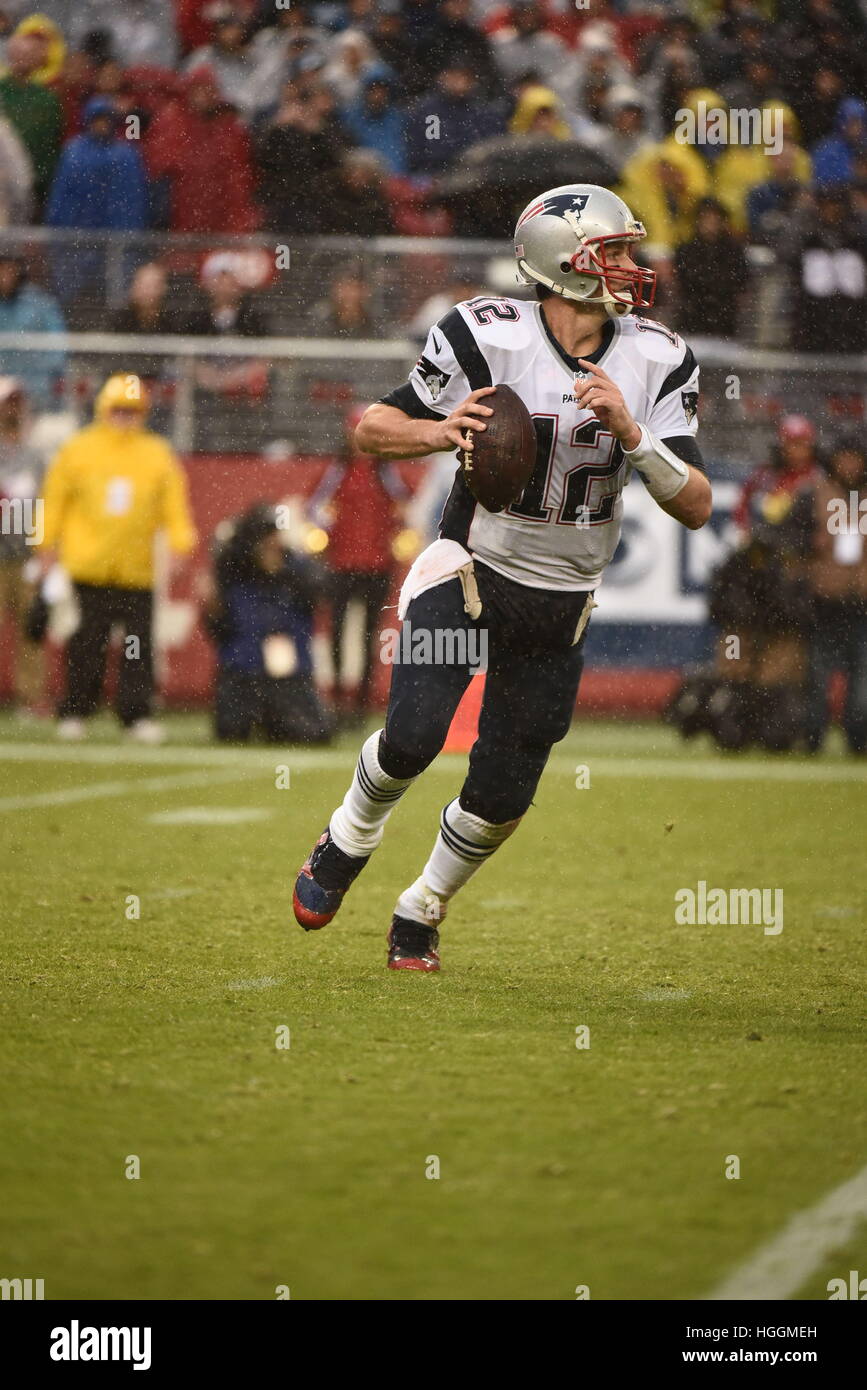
x=464, y=728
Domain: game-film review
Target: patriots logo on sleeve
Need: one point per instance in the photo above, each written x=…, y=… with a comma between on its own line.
x=690, y=405
x=434, y=378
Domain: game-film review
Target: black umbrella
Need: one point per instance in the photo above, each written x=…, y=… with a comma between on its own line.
x=494, y=180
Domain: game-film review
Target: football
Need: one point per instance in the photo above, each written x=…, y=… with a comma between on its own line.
x=498, y=467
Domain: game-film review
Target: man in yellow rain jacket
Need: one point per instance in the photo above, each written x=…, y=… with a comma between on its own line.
x=112, y=487
x=664, y=183
x=741, y=168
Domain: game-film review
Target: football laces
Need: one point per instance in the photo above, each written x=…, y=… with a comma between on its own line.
x=468, y=455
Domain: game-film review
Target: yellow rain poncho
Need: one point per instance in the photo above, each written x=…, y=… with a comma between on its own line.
x=110, y=490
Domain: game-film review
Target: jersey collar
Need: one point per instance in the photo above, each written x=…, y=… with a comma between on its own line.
x=609, y=329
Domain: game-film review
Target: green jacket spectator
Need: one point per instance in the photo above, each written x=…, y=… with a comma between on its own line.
x=33, y=110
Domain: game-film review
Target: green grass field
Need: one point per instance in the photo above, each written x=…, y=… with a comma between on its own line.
x=306, y=1167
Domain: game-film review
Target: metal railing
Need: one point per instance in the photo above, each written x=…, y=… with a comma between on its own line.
x=312, y=375
x=91, y=271
x=310, y=381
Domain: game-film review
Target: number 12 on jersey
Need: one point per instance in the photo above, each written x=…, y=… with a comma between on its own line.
x=585, y=491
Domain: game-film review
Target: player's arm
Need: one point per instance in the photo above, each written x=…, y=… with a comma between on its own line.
x=677, y=485
x=692, y=505
x=442, y=399
x=390, y=433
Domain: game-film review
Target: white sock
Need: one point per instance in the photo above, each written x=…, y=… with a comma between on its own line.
x=358, y=825
x=462, y=846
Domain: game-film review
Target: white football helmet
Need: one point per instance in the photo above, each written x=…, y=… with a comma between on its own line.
x=560, y=242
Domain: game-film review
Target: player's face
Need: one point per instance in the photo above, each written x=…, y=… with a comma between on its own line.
x=617, y=256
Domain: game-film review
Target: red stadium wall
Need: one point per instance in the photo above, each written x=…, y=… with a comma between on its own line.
x=224, y=485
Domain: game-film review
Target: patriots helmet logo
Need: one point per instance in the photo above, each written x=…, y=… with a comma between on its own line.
x=567, y=202
x=556, y=204
x=690, y=405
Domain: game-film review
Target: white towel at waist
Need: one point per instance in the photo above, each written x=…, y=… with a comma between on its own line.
x=441, y=560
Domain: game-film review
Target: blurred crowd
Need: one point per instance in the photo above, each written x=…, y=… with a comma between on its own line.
x=372, y=117
x=789, y=603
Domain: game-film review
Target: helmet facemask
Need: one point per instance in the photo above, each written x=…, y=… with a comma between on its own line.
x=623, y=289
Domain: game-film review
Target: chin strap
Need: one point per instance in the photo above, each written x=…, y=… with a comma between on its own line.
x=663, y=472
x=604, y=301
x=532, y=276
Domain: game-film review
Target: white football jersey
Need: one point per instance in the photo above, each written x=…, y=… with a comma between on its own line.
x=563, y=530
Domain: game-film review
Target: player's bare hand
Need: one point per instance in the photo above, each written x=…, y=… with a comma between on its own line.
x=469, y=415
x=598, y=393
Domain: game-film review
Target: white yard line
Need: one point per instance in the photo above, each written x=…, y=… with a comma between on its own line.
x=95, y=791
x=210, y=815
x=320, y=760
x=711, y=769
x=111, y=755
x=783, y=1265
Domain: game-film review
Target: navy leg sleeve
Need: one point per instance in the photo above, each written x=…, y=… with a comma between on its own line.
x=423, y=698
x=528, y=706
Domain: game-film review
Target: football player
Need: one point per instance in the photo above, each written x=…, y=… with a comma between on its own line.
x=610, y=391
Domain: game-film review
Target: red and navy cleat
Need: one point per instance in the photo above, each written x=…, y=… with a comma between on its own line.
x=412, y=946
x=322, y=882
